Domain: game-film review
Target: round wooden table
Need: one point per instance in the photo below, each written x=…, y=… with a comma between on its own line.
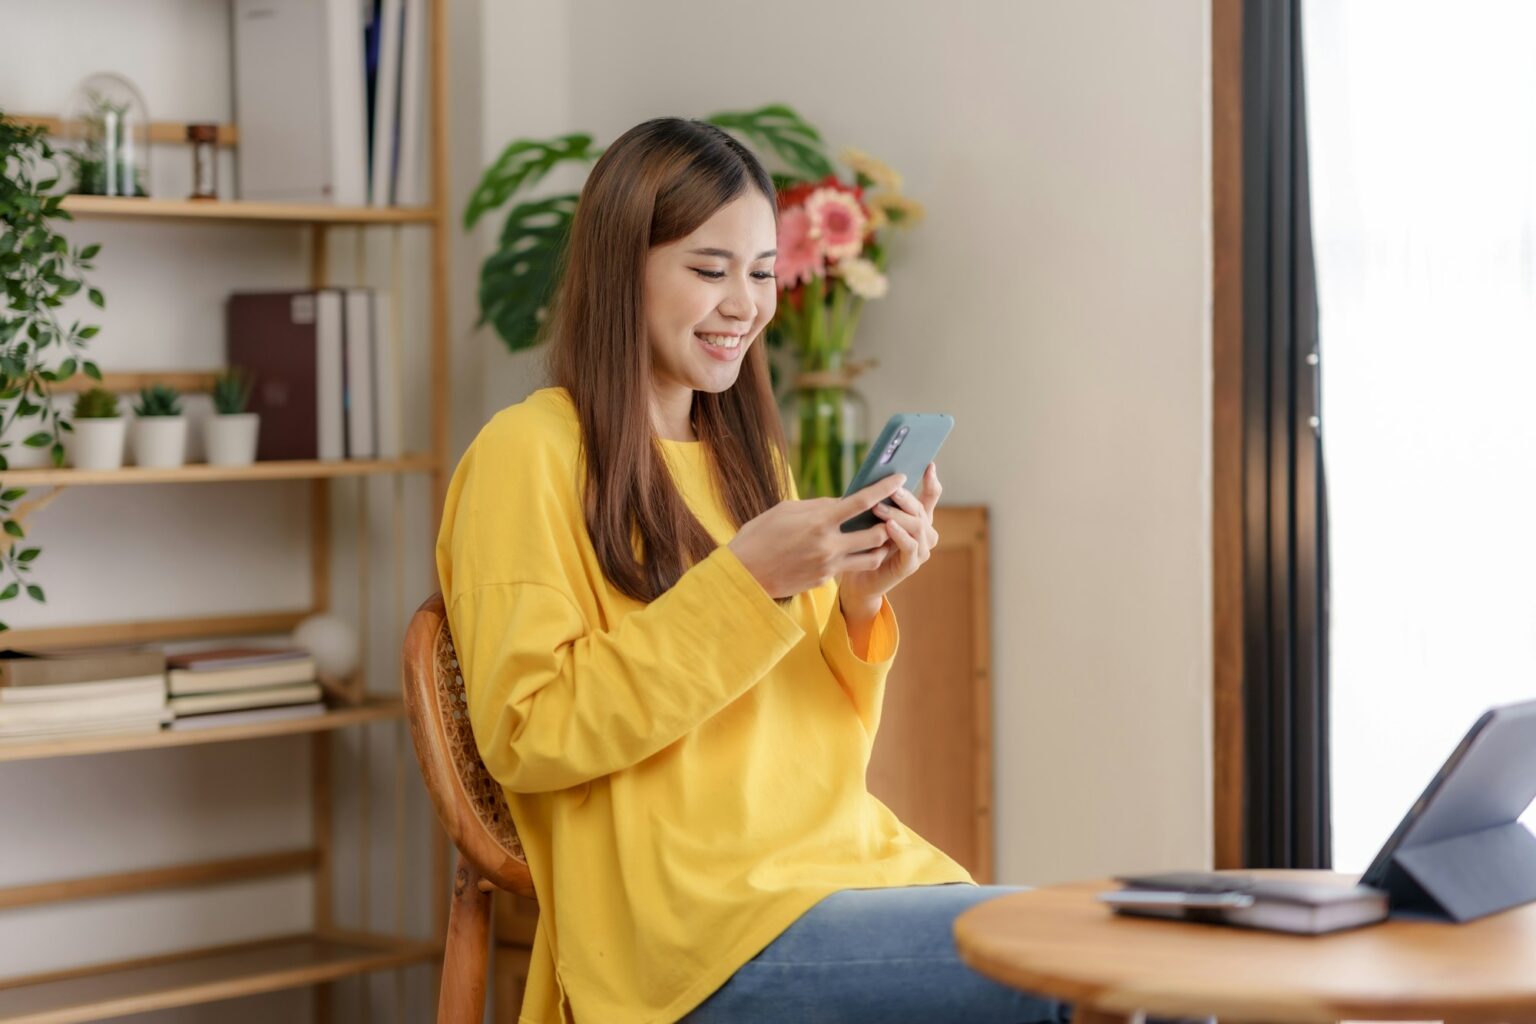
x=1062, y=942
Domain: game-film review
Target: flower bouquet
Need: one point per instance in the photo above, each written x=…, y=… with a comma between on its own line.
x=832, y=259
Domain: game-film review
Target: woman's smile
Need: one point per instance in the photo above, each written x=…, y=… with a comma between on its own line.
x=727, y=348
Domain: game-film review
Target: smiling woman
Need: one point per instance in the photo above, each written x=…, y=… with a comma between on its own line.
x=675, y=668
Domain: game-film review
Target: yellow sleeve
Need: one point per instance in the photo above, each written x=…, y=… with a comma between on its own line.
x=863, y=679
x=554, y=703
x=555, y=700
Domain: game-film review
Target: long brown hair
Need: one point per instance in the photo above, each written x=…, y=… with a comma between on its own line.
x=657, y=183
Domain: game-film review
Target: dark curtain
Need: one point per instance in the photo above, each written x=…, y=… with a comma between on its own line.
x=1285, y=521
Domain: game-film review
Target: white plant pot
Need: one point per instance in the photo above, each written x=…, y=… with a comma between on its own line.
x=97, y=443
x=160, y=441
x=230, y=440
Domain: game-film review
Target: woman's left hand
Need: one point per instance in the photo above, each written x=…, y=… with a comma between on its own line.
x=912, y=539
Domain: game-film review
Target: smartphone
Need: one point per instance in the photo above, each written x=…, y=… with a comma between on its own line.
x=908, y=442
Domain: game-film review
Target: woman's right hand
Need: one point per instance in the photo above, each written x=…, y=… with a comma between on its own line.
x=798, y=545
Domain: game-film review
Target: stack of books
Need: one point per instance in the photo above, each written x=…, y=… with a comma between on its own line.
x=52, y=694
x=238, y=685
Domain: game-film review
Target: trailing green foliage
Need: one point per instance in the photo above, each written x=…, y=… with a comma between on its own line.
x=39, y=272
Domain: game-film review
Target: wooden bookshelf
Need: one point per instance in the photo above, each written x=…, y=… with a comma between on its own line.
x=235, y=211
x=202, y=473
x=323, y=954
x=372, y=710
x=202, y=976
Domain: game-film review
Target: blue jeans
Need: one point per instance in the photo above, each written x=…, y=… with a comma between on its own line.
x=866, y=955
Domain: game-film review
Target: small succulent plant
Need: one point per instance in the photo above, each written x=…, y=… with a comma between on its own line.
x=158, y=400
x=231, y=391
x=96, y=404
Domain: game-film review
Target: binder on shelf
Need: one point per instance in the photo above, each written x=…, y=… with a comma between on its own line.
x=361, y=441
x=291, y=344
x=300, y=101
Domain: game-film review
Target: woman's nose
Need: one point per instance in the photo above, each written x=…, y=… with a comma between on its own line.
x=738, y=303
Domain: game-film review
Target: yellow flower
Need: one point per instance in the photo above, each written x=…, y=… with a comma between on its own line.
x=902, y=211
x=878, y=172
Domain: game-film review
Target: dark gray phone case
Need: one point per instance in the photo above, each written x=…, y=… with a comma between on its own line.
x=917, y=437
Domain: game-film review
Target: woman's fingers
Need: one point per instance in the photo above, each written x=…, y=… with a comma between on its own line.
x=866, y=561
x=931, y=488
x=863, y=540
x=910, y=519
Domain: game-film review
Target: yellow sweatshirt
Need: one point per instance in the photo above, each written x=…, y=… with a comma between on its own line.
x=687, y=776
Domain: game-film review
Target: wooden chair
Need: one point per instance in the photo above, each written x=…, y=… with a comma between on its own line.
x=470, y=805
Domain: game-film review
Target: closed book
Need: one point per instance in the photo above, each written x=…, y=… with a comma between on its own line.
x=82, y=665
x=261, y=697
x=296, y=670
x=359, y=373
x=1248, y=901
x=233, y=657
x=11, y=695
x=252, y=716
x=290, y=343
x=96, y=727
x=66, y=711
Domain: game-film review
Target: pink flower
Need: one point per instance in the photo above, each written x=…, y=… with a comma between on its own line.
x=838, y=220
x=800, y=252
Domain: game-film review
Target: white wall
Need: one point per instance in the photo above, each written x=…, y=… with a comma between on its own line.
x=124, y=553
x=1056, y=300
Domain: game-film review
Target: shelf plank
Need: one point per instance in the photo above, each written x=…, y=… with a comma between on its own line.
x=372, y=710
x=202, y=473
x=149, y=631
x=200, y=976
x=160, y=132
x=185, y=381
x=243, y=210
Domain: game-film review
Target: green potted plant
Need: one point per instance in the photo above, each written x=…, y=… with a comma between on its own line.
x=99, y=430
x=229, y=435
x=39, y=271
x=159, y=428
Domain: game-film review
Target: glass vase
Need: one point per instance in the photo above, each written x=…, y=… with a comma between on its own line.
x=826, y=423
x=106, y=137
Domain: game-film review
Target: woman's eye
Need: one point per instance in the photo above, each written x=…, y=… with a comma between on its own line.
x=715, y=275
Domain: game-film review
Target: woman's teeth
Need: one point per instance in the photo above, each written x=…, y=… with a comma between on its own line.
x=720, y=340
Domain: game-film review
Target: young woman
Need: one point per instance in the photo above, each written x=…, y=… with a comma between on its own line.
x=673, y=666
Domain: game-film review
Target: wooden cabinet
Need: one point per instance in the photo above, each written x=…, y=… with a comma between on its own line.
x=933, y=755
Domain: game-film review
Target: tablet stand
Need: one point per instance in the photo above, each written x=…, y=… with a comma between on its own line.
x=1467, y=876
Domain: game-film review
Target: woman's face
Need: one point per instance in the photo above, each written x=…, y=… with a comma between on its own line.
x=708, y=297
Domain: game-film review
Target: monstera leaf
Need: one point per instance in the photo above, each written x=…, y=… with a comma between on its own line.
x=524, y=163
x=782, y=130
x=518, y=280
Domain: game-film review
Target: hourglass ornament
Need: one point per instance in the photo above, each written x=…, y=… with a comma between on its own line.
x=106, y=137
x=205, y=183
